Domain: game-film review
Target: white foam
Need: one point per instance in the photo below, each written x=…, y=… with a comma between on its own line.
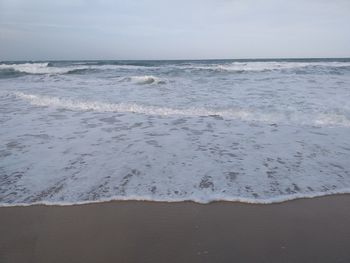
x=35, y=68
x=44, y=68
x=318, y=119
x=264, y=66
x=200, y=200
x=144, y=80
x=266, y=138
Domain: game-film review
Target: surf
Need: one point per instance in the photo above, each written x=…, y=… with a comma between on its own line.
x=316, y=119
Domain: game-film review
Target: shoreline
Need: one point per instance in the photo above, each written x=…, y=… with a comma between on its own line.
x=302, y=230
x=245, y=201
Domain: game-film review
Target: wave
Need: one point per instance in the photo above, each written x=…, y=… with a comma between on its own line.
x=39, y=68
x=328, y=119
x=143, y=80
x=34, y=68
x=233, y=67
x=49, y=68
x=9, y=73
x=241, y=67
x=201, y=200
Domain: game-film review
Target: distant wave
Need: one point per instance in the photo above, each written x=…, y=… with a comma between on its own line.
x=241, y=67
x=48, y=68
x=233, y=67
x=37, y=68
x=328, y=119
x=9, y=73
x=143, y=80
x=26, y=67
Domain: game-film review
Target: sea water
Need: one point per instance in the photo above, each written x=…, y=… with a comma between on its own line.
x=257, y=131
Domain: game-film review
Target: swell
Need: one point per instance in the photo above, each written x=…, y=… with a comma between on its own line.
x=328, y=119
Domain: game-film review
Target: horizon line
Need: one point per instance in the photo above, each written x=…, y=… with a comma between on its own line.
x=182, y=59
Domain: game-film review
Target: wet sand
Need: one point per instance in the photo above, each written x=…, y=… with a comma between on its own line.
x=307, y=230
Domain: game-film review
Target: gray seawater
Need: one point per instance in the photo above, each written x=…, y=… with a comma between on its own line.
x=257, y=131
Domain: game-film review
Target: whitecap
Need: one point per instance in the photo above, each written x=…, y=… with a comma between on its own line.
x=45, y=68
x=264, y=66
x=143, y=80
x=35, y=68
x=296, y=118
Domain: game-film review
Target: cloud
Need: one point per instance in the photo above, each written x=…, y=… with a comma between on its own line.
x=155, y=29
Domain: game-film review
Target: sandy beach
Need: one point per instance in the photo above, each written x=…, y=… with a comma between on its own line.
x=307, y=230
x=174, y=131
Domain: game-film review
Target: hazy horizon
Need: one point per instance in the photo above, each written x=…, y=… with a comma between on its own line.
x=165, y=30
x=206, y=59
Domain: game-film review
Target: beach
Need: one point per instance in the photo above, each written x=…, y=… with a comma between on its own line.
x=304, y=230
x=174, y=131
x=175, y=161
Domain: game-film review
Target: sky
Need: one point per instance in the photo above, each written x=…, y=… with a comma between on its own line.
x=173, y=29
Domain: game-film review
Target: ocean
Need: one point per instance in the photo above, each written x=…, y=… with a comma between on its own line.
x=255, y=131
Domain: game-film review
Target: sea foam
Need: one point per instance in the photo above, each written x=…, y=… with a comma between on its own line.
x=45, y=68
x=143, y=80
x=242, y=131
x=317, y=119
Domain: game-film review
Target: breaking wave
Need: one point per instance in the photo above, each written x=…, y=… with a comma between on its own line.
x=37, y=68
x=196, y=199
x=143, y=80
x=26, y=67
x=48, y=68
x=232, y=67
x=328, y=119
x=241, y=67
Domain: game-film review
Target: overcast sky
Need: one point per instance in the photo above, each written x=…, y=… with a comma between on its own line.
x=173, y=29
